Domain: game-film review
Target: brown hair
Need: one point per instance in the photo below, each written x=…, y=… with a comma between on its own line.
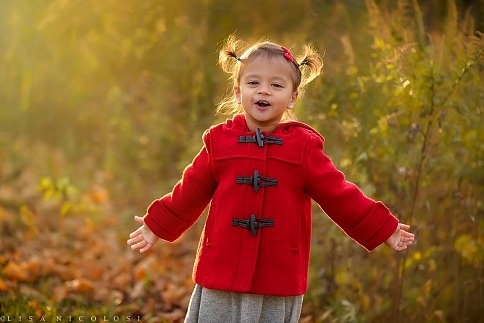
x=308, y=68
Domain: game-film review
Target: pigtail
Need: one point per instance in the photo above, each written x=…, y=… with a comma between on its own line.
x=228, y=57
x=310, y=65
x=231, y=53
x=229, y=61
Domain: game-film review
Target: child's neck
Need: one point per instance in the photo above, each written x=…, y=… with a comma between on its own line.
x=264, y=128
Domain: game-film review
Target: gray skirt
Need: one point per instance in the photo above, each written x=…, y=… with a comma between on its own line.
x=213, y=306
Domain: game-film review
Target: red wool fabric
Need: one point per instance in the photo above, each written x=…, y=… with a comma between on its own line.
x=275, y=261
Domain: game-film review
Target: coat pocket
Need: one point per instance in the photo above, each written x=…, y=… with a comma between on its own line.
x=296, y=229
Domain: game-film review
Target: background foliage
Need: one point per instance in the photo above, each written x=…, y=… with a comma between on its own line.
x=103, y=103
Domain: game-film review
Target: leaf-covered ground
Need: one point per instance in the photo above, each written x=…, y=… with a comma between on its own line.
x=72, y=261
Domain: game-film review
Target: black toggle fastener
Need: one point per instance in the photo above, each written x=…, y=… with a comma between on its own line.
x=260, y=139
x=253, y=223
x=257, y=181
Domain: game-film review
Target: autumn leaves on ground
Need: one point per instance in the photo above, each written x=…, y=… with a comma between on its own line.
x=64, y=253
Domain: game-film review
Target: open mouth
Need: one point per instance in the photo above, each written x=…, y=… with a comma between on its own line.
x=262, y=104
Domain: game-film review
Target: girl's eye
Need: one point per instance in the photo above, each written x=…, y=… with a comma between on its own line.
x=252, y=82
x=277, y=85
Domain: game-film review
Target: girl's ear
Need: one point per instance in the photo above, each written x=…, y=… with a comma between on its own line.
x=294, y=97
x=237, y=94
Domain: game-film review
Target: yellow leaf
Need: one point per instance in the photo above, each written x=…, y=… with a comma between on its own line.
x=66, y=207
x=417, y=256
x=428, y=287
x=468, y=249
x=27, y=215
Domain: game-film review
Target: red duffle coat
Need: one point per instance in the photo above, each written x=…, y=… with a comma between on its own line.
x=273, y=257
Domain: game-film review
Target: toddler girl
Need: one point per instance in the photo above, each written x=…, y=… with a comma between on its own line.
x=259, y=171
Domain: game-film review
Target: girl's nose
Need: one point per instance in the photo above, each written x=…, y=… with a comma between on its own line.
x=264, y=90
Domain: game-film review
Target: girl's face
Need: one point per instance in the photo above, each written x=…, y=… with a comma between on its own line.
x=265, y=91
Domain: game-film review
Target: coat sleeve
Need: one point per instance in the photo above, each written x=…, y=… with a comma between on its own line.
x=171, y=215
x=368, y=222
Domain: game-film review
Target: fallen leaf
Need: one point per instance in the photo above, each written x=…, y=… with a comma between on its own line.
x=79, y=286
x=4, y=287
x=63, y=272
x=15, y=272
x=5, y=216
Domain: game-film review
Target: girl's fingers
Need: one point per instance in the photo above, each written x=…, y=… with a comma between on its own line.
x=142, y=239
x=139, y=245
x=135, y=233
x=135, y=239
x=408, y=235
x=146, y=248
x=404, y=226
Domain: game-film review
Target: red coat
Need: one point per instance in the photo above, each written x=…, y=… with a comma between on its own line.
x=273, y=257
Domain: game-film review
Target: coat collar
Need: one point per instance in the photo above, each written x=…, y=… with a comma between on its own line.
x=224, y=143
x=238, y=122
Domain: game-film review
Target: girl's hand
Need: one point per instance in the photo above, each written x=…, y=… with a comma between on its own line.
x=143, y=238
x=401, y=238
